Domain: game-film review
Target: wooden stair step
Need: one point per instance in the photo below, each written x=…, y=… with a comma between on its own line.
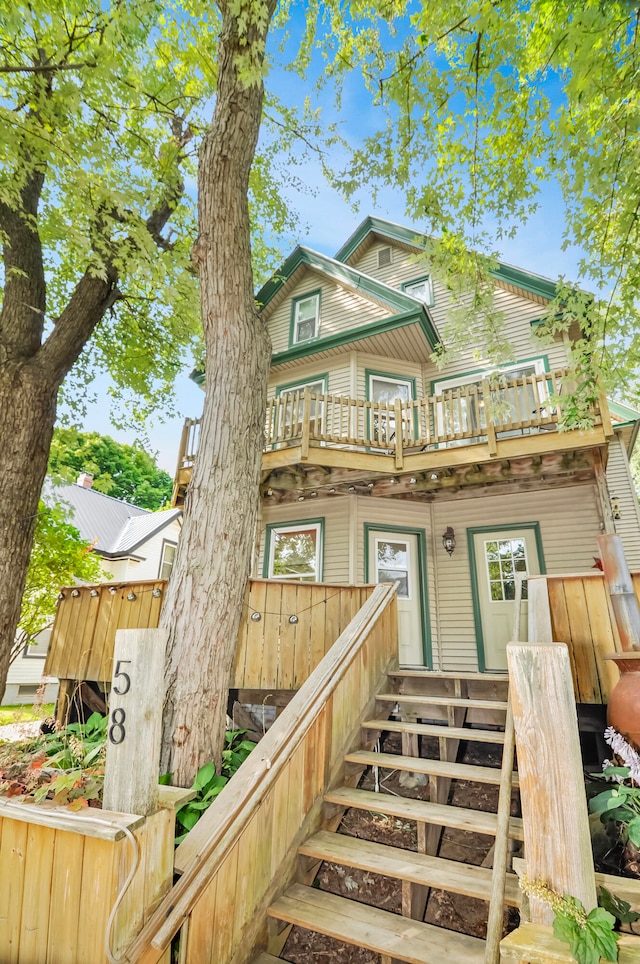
x=377, y=930
x=432, y=674
x=421, y=700
x=442, y=815
x=436, y=729
x=536, y=944
x=449, y=875
x=436, y=768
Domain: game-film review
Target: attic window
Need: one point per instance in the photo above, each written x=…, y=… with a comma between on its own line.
x=305, y=317
x=384, y=257
x=422, y=289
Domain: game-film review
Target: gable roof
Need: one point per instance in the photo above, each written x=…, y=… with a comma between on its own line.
x=526, y=280
x=400, y=303
x=115, y=527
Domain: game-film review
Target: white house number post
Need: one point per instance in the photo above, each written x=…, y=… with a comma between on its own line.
x=135, y=721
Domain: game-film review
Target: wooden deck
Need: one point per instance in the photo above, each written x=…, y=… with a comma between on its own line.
x=472, y=424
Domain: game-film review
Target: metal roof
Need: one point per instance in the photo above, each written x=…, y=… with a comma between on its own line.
x=116, y=528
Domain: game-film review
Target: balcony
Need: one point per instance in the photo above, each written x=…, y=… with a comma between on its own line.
x=506, y=431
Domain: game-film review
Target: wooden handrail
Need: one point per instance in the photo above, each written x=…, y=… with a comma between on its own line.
x=481, y=412
x=320, y=713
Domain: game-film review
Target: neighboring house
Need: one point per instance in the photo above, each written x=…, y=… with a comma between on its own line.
x=379, y=466
x=134, y=544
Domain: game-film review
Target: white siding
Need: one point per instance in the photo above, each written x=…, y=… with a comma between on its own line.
x=569, y=522
x=518, y=312
x=341, y=308
x=338, y=370
x=621, y=487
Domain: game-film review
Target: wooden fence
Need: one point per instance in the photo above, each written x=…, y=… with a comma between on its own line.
x=244, y=848
x=273, y=652
x=61, y=876
x=86, y=622
x=581, y=617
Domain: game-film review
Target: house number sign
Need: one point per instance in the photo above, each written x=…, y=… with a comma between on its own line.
x=134, y=724
x=120, y=686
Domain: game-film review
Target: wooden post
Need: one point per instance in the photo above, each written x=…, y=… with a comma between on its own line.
x=491, y=425
x=605, y=415
x=604, y=496
x=620, y=585
x=539, y=610
x=398, y=434
x=554, y=804
x=135, y=720
x=306, y=424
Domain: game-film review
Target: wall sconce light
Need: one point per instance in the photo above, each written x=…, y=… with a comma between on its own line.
x=449, y=540
x=615, y=508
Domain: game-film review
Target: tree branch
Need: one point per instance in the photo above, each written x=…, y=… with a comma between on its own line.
x=45, y=68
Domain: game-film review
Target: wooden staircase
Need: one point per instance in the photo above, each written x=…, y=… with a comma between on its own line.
x=451, y=708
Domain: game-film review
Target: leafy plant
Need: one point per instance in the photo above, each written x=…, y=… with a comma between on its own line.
x=621, y=909
x=619, y=804
x=208, y=783
x=590, y=936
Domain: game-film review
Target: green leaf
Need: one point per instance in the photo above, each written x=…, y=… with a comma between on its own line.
x=204, y=774
x=620, y=908
x=165, y=779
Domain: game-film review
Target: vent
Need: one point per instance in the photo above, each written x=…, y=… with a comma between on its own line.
x=384, y=257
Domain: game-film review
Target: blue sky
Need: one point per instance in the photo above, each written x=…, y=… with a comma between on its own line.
x=328, y=221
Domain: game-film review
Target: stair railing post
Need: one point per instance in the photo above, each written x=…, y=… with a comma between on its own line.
x=552, y=791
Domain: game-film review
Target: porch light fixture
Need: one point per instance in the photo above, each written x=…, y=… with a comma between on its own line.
x=332, y=491
x=352, y=488
x=156, y=591
x=94, y=593
x=75, y=593
x=449, y=540
x=131, y=596
x=369, y=485
x=256, y=617
x=412, y=481
x=314, y=495
x=60, y=596
x=293, y=620
x=300, y=498
x=112, y=590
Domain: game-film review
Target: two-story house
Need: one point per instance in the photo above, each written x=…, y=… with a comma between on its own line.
x=454, y=482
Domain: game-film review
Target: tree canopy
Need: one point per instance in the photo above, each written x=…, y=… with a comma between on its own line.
x=122, y=471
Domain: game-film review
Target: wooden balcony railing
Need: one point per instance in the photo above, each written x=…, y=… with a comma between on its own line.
x=483, y=412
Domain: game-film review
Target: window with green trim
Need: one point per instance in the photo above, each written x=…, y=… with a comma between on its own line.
x=422, y=289
x=306, y=317
x=295, y=552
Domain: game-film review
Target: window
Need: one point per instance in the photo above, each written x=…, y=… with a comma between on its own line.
x=294, y=551
x=387, y=389
x=167, y=560
x=505, y=559
x=422, y=289
x=37, y=648
x=392, y=564
x=306, y=317
x=384, y=257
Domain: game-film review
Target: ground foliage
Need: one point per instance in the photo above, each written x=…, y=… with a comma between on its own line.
x=122, y=471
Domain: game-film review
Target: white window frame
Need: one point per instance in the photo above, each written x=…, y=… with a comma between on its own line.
x=315, y=297
x=406, y=569
x=275, y=531
x=165, y=544
x=429, y=298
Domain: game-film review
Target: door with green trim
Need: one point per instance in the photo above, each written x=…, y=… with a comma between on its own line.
x=393, y=557
x=501, y=556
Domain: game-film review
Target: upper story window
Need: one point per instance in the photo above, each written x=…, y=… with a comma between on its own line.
x=294, y=551
x=305, y=321
x=422, y=289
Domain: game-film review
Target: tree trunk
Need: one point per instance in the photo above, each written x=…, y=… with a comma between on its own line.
x=204, y=602
x=27, y=416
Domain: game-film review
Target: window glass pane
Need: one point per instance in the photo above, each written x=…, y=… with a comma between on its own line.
x=307, y=308
x=422, y=290
x=504, y=558
x=383, y=390
x=494, y=570
x=396, y=575
x=306, y=330
x=509, y=589
x=168, y=557
x=295, y=554
x=306, y=318
x=393, y=554
x=491, y=548
x=496, y=592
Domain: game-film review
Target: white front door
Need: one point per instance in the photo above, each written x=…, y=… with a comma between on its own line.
x=500, y=556
x=393, y=557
